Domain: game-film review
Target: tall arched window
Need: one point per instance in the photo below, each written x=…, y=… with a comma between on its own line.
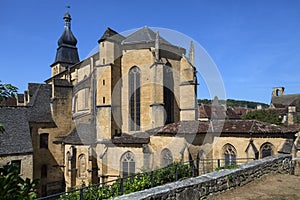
x=82, y=165
x=134, y=98
x=68, y=162
x=75, y=104
x=86, y=97
x=168, y=93
x=229, y=154
x=127, y=164
x=166, y=157
x=266, y=150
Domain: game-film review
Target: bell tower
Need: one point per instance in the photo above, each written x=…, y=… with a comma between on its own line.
x=66, y=54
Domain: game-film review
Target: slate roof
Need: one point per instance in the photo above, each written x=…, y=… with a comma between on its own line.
x=83, y=134
x=138, y=138
x=17, y=139
x=10, y=101
x=143, y=35
x=40, y=110
x=286, y=100
x=67, y=52
x=227, y=126
x=111, y=35
x=287, y=147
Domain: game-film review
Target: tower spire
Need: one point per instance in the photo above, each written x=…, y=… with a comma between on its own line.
x=67, y=53
x=157, y=46
x=192, y=53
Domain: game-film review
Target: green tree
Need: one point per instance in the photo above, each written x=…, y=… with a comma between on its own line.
x=6, y=91
x=13, y=186
x=235, y=103
x=270, y=116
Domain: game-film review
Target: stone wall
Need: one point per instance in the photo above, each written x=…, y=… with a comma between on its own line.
x=202, y=187
x=26, y=164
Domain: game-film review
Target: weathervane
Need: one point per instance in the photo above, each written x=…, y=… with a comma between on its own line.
x=68, y=7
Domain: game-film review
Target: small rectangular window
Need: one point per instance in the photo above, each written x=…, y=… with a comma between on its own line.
x=103, y=83
x=44, y=140
x=18, y=164
x=103, y=61
x=103, y=99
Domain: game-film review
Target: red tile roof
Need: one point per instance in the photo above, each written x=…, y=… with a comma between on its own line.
x=227, y=126
x=216, y=112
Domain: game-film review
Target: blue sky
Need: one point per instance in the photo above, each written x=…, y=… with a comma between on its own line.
x=254, y=43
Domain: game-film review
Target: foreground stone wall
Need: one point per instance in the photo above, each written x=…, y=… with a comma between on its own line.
x=202, y=187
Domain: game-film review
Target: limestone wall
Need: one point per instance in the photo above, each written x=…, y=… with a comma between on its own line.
x=26, y=164
x=213, y=183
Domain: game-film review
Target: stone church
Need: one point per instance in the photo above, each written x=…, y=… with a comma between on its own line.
x=129, y=107
x=103, y=105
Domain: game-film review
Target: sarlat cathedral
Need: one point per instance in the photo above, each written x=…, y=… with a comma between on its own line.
x=131, y=106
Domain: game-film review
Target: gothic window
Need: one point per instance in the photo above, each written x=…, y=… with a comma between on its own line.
x=82, y=165
x=229, y=154
x=44, y=140
x=128, y=164
x=166, y=157
x=44, y=171
x=134, y=98
x=75, y=102
x=168, y=93
x=86, y=98
x=266, y=150
x=68, y=162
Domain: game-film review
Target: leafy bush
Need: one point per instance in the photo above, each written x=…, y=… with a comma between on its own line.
x=227, y=167
x=269, y=116
x=140, y=181
x=13, y=186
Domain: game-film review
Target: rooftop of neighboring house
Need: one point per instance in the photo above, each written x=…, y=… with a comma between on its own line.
x=16, y=120
x=216, y=112
x=225, y=126
x=241, y=128
x=281, y=100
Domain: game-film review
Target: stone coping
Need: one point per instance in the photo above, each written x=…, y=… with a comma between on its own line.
x=215, y=182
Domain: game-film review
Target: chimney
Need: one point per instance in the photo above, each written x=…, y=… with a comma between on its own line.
x=292, y=118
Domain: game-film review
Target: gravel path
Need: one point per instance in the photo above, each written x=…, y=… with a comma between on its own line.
x=271, y=187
